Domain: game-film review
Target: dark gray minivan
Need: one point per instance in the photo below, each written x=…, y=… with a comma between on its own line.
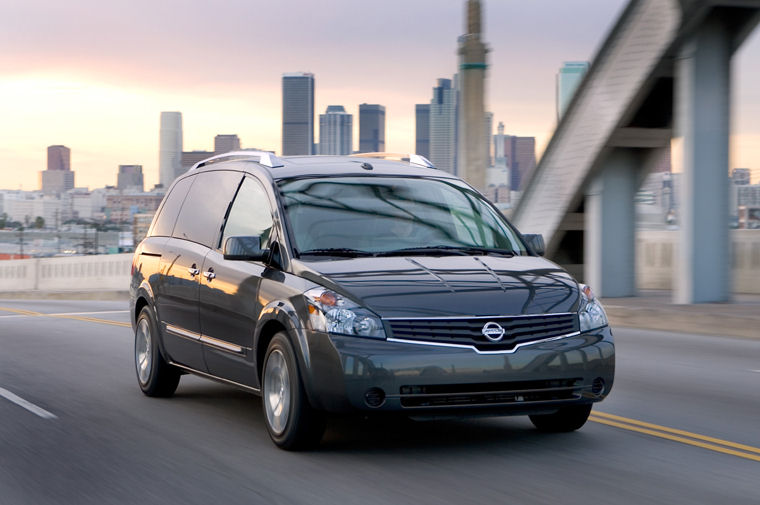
x=360, y=284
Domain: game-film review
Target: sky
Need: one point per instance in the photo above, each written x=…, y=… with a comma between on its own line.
x=95, y=75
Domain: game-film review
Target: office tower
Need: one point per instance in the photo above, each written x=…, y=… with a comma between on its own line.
x=130, y=177
x=568, y=78
x=58, y=158
x=443, y=126
x=297, y=113
x=521, y=159
x=58, y=178
x=335, y=131
x=170, y=148
x=472, y=149
x=371, y=128
x=489, y=138
x=226, y=143
x=422, y=129
x=499, y=146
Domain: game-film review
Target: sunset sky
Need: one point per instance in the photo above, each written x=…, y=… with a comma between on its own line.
x=95, y=75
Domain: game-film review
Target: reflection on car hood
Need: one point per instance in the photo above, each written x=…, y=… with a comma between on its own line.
x=424, y=286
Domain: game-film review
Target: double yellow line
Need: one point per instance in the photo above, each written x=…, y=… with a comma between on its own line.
x=31, y=313
x=676, y=435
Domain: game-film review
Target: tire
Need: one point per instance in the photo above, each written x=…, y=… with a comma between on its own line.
x=154, y=375
x=291, y=421
x=564, y=420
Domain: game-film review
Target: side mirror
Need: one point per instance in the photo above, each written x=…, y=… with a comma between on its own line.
x=536, y=243
x=244, y=249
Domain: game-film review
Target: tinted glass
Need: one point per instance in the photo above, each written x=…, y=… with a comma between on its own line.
x=200, y=219
x=170, y=209
x=381, y=214
x=251, y=214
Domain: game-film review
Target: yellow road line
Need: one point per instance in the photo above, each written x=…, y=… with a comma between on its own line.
x=664, y=432
x=61, y=316
x=21, y=311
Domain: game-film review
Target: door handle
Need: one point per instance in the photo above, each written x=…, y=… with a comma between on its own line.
x=193, y=271
x=209, y=274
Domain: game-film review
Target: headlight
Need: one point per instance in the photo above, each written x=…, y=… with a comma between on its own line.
x=591, y=312
x=332, y=313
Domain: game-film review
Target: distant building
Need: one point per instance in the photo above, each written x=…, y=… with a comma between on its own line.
x=741, y=176
x=422, y=129
x=190, y=158
x=569, y=78
x=443, y=126
x=226, y=143
x=58, y=178
x=489, y=137
x=335, y=130
x=140, y=225
x=371, y=128
x=122, y=207
x=170, y=147
x=130, y=177
x=297, y=113
x=521, y=159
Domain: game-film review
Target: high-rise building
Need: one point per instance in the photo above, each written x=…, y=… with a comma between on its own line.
x=371, y=128
x=521, y=159
x=58, y=178
x=443, y=126
x=422, y=129
x=190, y=158
x=130, y=177
x=170, y=148
x=489, y=137
x=472, y=149
x=568, y=78
x=499, y=146
x=335, y=131
x=226, y=143
x=297, y=113
x=58, y=158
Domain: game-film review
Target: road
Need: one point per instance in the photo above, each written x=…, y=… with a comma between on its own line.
x=104, y=442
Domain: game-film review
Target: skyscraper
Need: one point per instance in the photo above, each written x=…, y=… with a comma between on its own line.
x=58, y=158
x=472, y=149
x=170, y=148
x=422, y=129
x=335, y=131
x=58, y=178
x=521, y=159
x=568, y=78
x=489, y=137
x=130, y=177
x=226, y=143
x=297, y=113
x=443, y=126
x=371, y=128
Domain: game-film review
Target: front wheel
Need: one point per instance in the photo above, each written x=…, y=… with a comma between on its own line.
x=565, y=419
x=292, y=423
x=155, y=376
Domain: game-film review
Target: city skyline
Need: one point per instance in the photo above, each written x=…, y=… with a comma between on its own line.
x=102, y=100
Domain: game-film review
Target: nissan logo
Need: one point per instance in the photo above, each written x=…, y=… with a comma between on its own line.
x=493, y=331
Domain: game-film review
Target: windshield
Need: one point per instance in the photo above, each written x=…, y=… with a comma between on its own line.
x=387, y=214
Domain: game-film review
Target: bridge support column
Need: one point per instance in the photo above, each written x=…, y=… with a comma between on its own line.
x=610, y=221
x=700, y=150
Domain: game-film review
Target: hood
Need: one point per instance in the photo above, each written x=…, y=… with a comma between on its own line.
x=424, y=286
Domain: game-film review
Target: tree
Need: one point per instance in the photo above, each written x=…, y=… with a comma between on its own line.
x=39, y=222
x=3, y=220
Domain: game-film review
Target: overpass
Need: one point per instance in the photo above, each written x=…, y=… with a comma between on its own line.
x=661, y=78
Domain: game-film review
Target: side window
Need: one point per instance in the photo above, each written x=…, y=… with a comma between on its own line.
x=251, y=214
x=167, y=216
x=200, y=219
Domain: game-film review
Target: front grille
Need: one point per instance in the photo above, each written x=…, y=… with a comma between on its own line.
x=469, y=331
x=490, y=393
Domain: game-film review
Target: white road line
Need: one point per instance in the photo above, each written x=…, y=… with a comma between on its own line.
x=88, y=313
x=34, y=409
x=756, y=371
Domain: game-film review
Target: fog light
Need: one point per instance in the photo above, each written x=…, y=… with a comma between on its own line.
x=597, y=387
x=374, y=397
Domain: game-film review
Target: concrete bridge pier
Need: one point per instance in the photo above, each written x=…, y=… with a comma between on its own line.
x=610, y=220
x=700, y=147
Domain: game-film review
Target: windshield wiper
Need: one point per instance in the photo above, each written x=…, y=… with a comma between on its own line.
x=443, y=250
x=335, y=251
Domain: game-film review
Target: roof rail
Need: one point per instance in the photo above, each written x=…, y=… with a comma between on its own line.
x=264, y=158
x=413, y=159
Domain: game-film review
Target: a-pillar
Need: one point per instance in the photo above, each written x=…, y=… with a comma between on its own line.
x=700, y=147
x=610, y=224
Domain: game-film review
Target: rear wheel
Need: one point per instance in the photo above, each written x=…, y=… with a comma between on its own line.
x=565, y=419
x=291, y=421
x=154, y=375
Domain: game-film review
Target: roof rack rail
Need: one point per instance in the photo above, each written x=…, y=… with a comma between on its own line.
x=264, y=158
x=413, y=159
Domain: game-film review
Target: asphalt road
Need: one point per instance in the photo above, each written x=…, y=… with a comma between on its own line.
x=682, y=426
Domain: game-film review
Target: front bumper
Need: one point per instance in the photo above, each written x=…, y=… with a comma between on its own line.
x=350, y=373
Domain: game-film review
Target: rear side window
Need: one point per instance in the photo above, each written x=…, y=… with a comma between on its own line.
x=170, y=209
x=200, y=219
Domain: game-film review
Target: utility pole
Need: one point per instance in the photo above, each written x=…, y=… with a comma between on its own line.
x=21, y=242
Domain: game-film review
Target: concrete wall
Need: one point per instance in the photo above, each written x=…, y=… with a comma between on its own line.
x=76, y=273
